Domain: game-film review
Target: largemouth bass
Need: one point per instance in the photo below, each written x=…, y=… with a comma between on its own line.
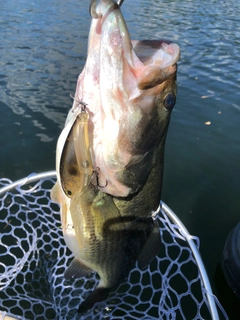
x=110, y=154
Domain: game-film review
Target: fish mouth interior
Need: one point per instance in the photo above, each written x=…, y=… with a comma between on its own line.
x=158, y=59
x=162, y=53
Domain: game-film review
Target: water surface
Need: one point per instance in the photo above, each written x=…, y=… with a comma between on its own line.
x=43, y=49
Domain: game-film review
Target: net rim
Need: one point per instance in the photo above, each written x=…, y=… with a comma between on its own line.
x=33, y=177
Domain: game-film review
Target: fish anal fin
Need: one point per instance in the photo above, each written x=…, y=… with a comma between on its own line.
x=77, y=270
x=150, y=248
x=98, y=295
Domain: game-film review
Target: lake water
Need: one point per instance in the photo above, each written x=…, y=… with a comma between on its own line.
x=42, y=51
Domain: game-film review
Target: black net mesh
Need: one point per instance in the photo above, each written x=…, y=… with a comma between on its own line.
x=33, y=258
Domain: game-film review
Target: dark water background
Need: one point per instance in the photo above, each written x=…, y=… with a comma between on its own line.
x=43, y=47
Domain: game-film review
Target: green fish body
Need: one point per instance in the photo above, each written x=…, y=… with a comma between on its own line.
x=110, y=154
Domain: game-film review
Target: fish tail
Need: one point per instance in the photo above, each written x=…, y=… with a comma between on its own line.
x=98, y=295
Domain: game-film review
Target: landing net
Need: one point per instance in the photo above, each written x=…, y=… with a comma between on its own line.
x=33, y=258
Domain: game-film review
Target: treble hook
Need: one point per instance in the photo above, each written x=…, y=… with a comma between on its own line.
x=96, y=171
x=83, y=104
x=120, y=2
x=93, y=5
x=92, y=10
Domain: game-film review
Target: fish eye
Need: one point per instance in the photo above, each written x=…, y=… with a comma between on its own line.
x=169, y=101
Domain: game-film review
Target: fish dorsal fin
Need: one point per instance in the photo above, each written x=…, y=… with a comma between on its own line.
x=151, y=248
x=76, y=270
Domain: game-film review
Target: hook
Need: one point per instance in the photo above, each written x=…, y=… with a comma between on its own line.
x=96, y=171
x=120, y=2
x=92, y=10
x=93, y=5
x=83, y=104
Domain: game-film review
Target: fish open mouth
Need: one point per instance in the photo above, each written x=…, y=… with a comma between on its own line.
x=159, y=58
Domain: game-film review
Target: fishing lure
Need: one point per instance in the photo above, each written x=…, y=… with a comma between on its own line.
x=76, y=164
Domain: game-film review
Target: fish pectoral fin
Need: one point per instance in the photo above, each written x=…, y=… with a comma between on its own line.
x=98, y=295
x=77, y=270
x=151, y=248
